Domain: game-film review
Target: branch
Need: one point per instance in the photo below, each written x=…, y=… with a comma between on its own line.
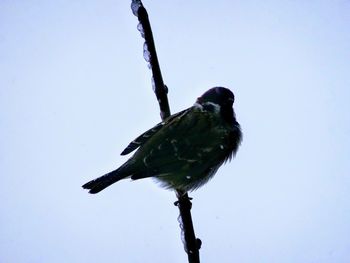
x=191, y=244
x=150, y=55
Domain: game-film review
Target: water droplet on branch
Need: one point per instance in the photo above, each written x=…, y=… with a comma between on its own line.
x=135, y=6
x=146, y=53
x=141, y=30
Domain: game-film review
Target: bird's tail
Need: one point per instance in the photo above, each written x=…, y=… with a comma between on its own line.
x=100, y=183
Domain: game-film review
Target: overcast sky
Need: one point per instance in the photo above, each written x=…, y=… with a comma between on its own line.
x=75, y=90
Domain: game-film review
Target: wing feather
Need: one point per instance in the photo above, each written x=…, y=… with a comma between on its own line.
x=178, y=146
x=144, y=137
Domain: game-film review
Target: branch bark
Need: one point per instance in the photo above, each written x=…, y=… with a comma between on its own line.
x=191, y=243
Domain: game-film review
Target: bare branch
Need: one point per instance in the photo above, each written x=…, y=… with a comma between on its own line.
x=150, y=55
x=191, y=244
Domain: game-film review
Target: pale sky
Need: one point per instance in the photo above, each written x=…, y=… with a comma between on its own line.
x=75, y=90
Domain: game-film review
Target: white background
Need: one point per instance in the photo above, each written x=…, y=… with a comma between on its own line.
x=75, y=90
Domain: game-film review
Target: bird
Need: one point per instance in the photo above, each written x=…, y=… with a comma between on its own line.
x=186, y=149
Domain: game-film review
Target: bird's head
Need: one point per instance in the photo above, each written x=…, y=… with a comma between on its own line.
x=218, y=95
x=218, y=99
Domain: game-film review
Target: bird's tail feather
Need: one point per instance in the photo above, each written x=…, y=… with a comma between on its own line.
x=100, y=183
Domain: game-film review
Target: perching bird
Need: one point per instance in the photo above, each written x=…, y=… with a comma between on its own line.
x=185, y=150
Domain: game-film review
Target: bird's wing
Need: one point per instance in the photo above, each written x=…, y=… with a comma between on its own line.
x=148, y=134
x=196, y=140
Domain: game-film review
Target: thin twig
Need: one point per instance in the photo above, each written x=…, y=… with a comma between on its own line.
x=150, y=55
x=191, y=244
